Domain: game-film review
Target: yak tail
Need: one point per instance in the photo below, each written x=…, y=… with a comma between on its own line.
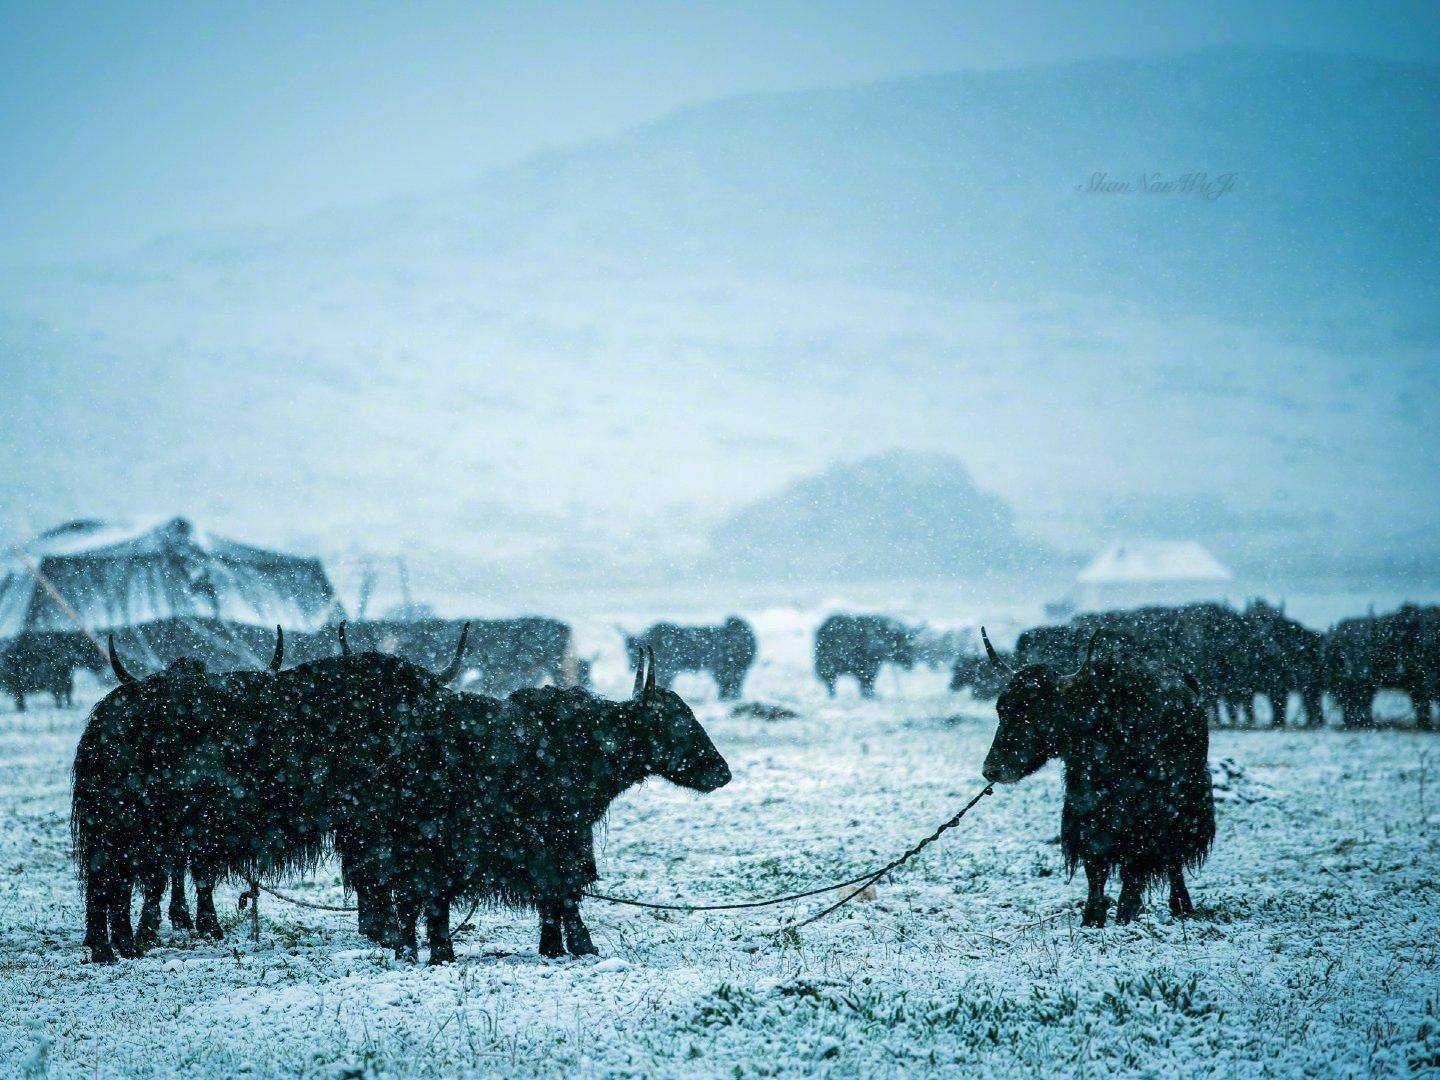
x=85, y=798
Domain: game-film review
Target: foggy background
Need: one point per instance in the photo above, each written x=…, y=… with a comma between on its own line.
x=698, y=303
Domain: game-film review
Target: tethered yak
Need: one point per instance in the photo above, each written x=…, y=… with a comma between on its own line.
x=152, y=788
x=724, y=652
x=498, y=802
x=859, y=645
x=250, y=774
x=1135, y=741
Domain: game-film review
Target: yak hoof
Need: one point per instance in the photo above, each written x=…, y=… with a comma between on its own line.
x=129, y=950
x=441, y=954
x=209, y=928
x=146, y=938
x=103, y=954
x=180, y=919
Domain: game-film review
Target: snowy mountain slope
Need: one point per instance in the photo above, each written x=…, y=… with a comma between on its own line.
x=600, y=352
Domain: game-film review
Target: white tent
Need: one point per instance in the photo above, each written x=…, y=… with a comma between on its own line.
x=1139, y=572
x=110, y=577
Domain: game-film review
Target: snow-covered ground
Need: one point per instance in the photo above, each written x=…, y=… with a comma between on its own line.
x=1316, y=949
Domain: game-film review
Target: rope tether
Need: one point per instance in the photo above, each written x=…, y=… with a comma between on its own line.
x=864, y=881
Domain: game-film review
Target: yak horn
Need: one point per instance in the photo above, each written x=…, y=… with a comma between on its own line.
x=650, y=671
x=995, y=657
x=1089, y=653
x=126, y=679
x=639, y=672
x=344, y=645
x=451, y=673
x=279, y=657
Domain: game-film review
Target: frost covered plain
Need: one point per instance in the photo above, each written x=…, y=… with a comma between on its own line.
x=1316, y=948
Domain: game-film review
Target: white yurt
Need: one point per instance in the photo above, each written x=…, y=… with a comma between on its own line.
x=1136, y=573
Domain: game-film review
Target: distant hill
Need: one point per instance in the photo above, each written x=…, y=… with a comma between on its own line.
x=603, y=351
x=898, y=515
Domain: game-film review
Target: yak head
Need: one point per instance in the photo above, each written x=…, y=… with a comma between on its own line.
x=1032, y=711
x=671, y=741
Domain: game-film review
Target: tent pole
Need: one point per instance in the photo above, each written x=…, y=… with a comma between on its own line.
x=60, y=601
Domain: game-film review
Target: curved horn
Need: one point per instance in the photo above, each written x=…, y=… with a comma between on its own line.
x=279, y=657
x=1089, y=653
x=650, y=671
x=995, y=657
x=126, y=679
x=451, y=673
x=639, y=687
x=344, y=645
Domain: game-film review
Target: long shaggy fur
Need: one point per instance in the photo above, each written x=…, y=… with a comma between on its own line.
x=1137, y=780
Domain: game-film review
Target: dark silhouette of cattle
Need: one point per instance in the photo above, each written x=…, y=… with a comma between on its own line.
x=247, y=774
x=860, y=645
x=1396, y=651
x=150, y=788
x=1281, y=658
x=725, y=652
x=1135, y=742
x=978, y=675
x=497, y=802
x=1233, y=656
x=39, y=662
x=504, y=655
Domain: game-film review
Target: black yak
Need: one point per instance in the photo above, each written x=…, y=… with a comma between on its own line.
x=724, y=652
x=859, y=645
x=1396, y=651
x=45, y=662
x=1135, y=742
x=247, y=774
x=498, y=803
x=151, y=789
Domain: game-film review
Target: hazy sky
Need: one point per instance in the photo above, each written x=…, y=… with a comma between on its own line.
x=123, y=121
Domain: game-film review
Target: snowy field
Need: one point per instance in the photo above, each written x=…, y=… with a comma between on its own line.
x=1316, y=949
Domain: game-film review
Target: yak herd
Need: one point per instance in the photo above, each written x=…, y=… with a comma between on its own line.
x=431, y=796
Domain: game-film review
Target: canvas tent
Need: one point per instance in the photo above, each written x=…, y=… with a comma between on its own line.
x=1140, y=572
x=169, y=587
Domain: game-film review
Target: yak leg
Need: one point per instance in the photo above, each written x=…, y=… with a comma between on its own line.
x=374, y=914
x=867, y=683
x=207, y=922
x=829, y=688
x=1095, y=874
x=152, y=890
x=1279, y=706
x=552, y=939
x=1314, y=709
x=19, y=701
x=437, y=931
x=1180, y=905
x=407, y=911
x=179, y=913
x=577, y=935
x=97, y=933
x=1131, y=895
x=117, y=909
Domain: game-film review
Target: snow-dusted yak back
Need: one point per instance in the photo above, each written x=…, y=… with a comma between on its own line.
x=152, y=788
x=500, y=802
x=1135, y=743
x=860, y=645
x=724, y=652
